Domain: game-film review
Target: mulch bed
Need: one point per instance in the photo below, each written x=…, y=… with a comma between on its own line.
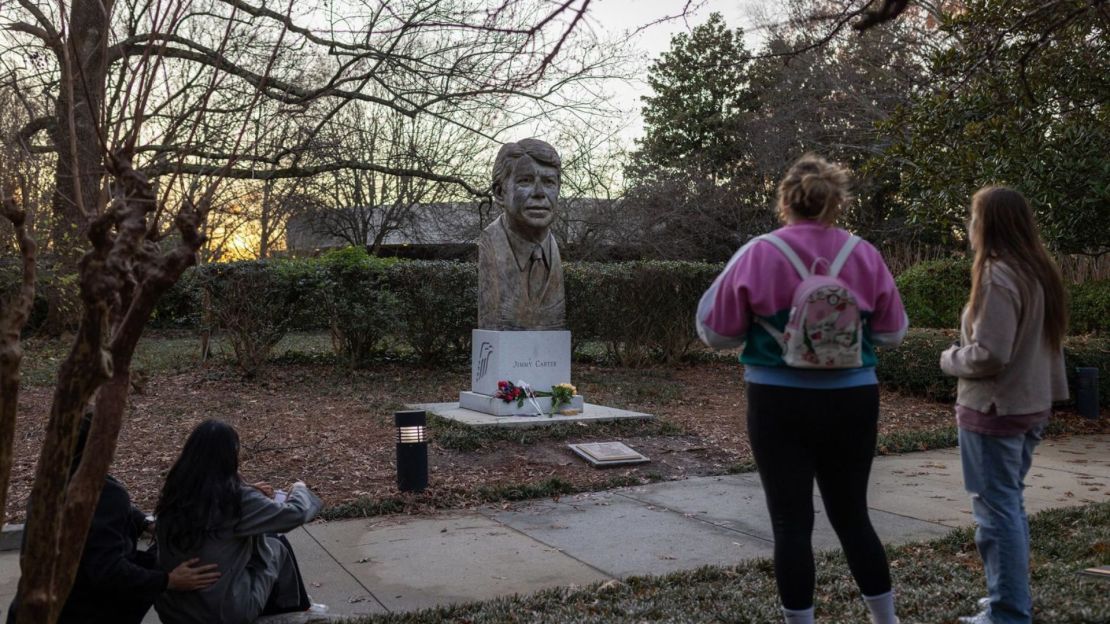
x=333, y=428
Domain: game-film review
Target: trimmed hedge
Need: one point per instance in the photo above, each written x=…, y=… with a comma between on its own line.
x=913, y=368
x=352, y=291
x=1090, y=307
x=934, y=292
x=251, y=301
x=56, y=308
x=641, y=311
x=437, y=306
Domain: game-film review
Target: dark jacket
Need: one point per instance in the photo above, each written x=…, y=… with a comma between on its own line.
x=116, y=582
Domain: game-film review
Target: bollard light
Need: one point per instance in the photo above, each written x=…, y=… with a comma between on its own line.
x=1086, y=391
x=412, y=450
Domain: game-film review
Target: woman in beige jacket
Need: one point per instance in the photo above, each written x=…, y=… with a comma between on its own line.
x=1010, y=365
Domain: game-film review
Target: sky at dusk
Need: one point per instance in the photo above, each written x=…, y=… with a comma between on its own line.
x=620, y=17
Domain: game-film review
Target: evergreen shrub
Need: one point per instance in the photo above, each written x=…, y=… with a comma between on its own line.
x=641, y=311
x=352, y=291
x=181, y=307
x=251, y=302
x=437, y=305
x=1090, y=307
x=934, y=292
x=914, y=367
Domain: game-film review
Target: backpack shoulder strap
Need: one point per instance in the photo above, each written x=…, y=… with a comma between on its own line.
x=789, y=252
x=842, y=257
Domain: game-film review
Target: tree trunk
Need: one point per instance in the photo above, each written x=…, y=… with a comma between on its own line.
x=13, y=315
x=86, y=367
x=78, y=178
x=48, y=564
x=264, y=220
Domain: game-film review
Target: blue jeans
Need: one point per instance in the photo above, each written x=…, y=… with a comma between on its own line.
x=994, y=474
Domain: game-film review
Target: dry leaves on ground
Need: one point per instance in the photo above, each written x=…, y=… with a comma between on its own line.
x=333, y=428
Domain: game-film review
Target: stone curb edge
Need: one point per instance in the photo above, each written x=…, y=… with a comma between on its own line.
x=11, y=537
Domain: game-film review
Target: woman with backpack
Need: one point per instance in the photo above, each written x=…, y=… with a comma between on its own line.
x=813, y=397
x=1010, y=365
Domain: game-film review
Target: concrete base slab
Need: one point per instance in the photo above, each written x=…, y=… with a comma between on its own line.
x=624, y=537
x=496, y=407
x=1082, y=455
x=11, y=537
x=300, y=618
x=734, y=502
x=737, y=503
x=9, y=580
x=590, y=413
x=413, y=563
x=327, y=581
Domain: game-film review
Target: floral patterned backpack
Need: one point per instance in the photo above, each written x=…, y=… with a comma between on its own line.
x=825, y=329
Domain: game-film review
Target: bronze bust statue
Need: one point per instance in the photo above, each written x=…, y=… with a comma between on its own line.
x=520, y=275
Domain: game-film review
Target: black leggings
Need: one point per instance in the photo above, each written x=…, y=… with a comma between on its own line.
x=798, y=434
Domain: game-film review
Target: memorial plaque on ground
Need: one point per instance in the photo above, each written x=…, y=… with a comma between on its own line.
x=607, y=453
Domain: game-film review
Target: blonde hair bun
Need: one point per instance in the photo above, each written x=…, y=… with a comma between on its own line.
x=813, y=188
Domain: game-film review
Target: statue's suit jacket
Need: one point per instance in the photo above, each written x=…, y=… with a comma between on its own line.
x=504, y=300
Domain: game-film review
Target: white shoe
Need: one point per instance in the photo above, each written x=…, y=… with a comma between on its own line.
x=317, y=608
x=983, y=617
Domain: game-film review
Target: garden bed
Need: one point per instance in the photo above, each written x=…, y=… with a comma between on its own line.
x=308, y=417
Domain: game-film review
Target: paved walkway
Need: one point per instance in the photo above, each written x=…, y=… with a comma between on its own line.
x=400, y=563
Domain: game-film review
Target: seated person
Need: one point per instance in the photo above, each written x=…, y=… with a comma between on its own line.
x=207, y=511
x=116, y=582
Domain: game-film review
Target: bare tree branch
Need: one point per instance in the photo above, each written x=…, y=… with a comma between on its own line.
x=242, y=173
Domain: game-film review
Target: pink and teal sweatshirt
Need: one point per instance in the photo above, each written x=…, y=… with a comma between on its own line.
x=759, y=282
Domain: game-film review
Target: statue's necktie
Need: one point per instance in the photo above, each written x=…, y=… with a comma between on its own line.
x=536, y=274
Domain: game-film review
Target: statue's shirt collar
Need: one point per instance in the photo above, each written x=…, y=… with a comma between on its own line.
x=523, y=248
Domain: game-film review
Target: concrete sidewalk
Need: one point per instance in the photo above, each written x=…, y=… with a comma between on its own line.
x=401, y=563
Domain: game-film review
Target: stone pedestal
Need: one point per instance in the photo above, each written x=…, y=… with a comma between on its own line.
x=539, y=358
x=489, y=405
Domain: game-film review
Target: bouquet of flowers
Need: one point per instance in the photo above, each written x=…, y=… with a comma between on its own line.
x=560, y=394
x=508, y=393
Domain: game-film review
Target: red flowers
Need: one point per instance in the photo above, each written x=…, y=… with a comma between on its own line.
x=508, y=392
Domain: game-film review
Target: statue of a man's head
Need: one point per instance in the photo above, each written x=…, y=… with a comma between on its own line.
x=526, y=178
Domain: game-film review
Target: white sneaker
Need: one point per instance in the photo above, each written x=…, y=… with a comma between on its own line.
x=317, y=608
x=983, y=617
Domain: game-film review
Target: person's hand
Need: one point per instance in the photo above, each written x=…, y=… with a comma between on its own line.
x=266, y=489
x=191, y=576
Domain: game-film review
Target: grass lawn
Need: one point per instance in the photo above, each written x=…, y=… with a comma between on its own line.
x=935, y=582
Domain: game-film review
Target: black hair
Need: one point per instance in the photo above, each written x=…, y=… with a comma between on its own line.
x=203, y=486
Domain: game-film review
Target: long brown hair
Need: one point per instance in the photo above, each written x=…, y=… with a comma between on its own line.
x=1004, y=230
